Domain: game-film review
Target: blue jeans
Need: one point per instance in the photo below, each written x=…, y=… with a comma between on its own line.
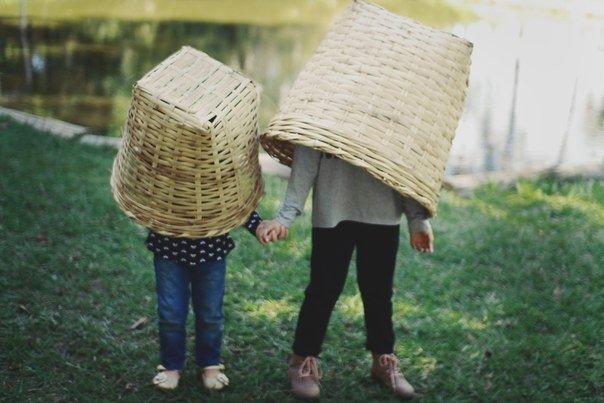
x=176, y=284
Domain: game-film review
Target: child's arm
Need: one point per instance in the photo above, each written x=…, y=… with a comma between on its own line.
x=253, y=222
x=420, y=230
x=304, y=170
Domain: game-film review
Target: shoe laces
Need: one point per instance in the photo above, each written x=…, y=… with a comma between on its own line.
x=310, y=367
x=391, y=362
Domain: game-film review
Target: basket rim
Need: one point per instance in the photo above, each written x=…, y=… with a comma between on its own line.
x=356, y=160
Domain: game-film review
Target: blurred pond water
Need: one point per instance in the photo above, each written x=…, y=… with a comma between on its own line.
x=536, y=96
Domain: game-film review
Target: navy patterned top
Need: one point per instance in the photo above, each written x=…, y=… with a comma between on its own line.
x=194, y=251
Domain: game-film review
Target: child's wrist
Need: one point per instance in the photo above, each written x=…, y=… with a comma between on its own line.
x=419, y=225
x=286, y=223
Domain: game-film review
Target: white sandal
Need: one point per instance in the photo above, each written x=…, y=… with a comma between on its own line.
x=216, y=381
x=166, y=380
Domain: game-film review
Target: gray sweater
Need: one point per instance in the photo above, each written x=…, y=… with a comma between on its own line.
x=344, y=192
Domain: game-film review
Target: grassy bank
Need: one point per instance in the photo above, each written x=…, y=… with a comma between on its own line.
x=507, y=309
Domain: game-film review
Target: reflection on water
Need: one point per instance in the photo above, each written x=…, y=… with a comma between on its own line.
x=536, y=94
x=83, y=72
x=536, y=97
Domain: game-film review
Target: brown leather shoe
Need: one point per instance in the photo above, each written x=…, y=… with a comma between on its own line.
x=385, y=369
x=304, y=374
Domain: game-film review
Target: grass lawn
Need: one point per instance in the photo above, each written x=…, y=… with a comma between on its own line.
x=508, y=309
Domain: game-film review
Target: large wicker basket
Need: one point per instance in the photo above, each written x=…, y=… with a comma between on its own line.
x=188, y=165
x=382, y=92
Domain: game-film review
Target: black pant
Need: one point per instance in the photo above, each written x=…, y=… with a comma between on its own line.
x=332, y=249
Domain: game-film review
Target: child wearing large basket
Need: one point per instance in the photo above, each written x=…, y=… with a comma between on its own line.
x=367, y=125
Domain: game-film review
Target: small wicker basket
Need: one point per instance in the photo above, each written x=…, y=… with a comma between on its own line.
x=188, y=165
x=382, y=92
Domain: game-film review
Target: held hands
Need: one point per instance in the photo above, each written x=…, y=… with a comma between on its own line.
x=422, y=241
x=271, y=231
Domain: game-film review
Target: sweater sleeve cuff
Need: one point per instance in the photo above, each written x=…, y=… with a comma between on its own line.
x=287, y=215
x=253, y=222
x=419, y=225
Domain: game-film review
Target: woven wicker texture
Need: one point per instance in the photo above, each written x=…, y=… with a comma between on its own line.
x=188, y=165
x=382, y=92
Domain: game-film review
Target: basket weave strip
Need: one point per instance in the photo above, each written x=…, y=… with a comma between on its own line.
x=382, y=92
x=188, y=165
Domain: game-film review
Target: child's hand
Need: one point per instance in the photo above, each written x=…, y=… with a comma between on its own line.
x=423, y=241
x=271, y=231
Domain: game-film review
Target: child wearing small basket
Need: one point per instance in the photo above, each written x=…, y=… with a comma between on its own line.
x=193, y=269
x=351, y=210
x=188, y=170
